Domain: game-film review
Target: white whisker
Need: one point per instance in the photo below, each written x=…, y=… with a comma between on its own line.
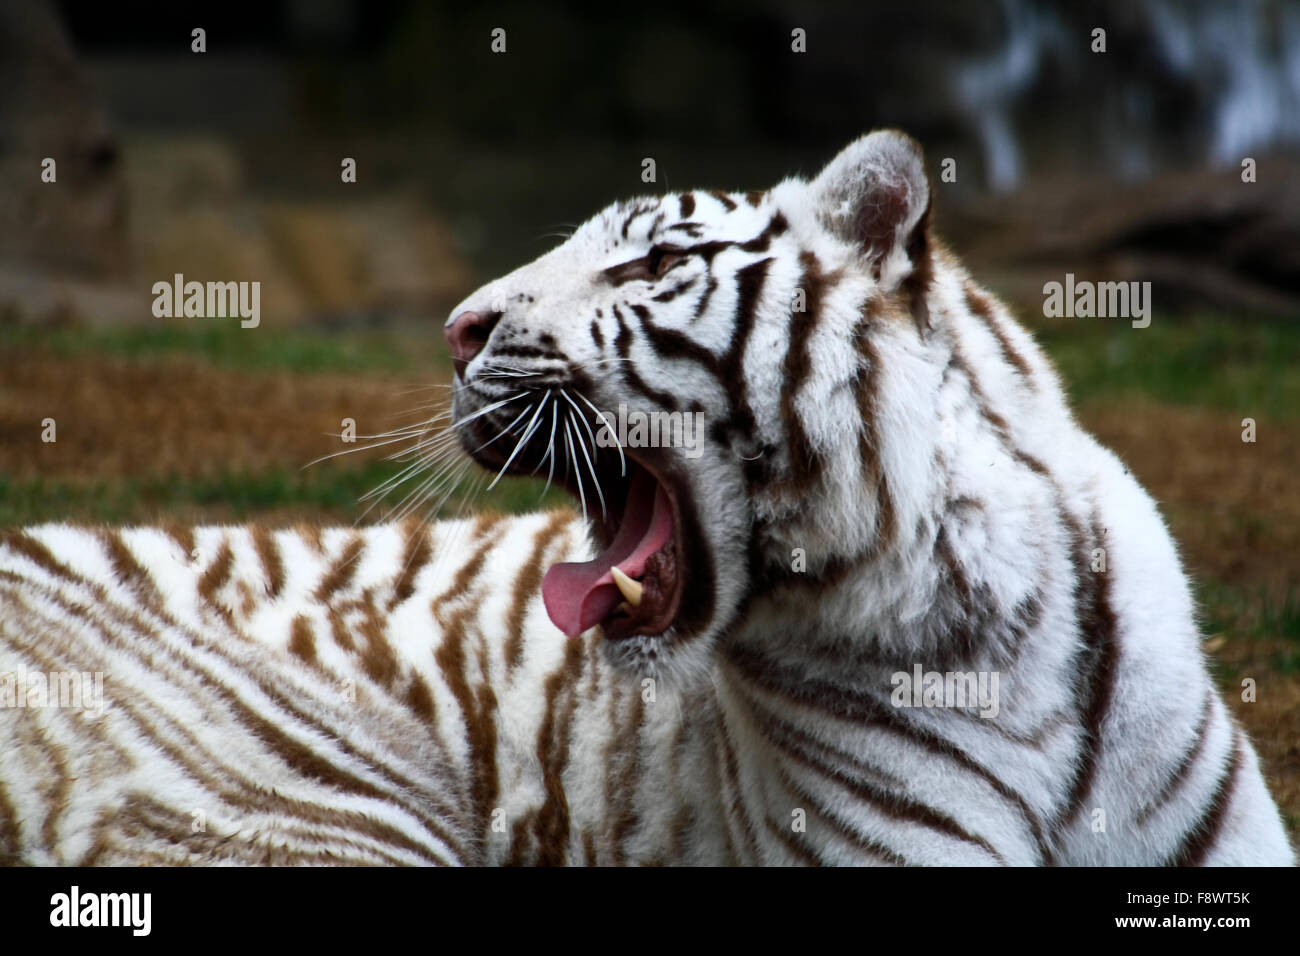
x=568, y=439
x=523, y=440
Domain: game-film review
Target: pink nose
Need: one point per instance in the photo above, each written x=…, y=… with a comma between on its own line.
x=467, y=334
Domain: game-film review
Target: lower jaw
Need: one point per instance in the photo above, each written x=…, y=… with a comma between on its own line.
x=660, y=578
x=661, y=596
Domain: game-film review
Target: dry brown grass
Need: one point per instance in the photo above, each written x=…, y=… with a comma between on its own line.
x=1234, y=506
x=182, y=417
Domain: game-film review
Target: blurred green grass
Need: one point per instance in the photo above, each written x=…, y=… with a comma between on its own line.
x=236, y=496
x=1253, y=614
x=1208, y=361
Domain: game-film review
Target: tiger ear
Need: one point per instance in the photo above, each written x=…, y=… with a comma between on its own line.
x=875, y=195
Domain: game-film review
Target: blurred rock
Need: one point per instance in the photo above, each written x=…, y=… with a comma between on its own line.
x=361, y=258
x=1205, y=240
x=47, y=109
x=381, y=256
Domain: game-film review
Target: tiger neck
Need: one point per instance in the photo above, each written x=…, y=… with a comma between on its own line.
x=902, y=561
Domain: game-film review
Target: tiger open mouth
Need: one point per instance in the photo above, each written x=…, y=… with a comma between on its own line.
x=633, y=584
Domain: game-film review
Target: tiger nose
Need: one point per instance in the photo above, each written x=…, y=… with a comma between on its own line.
x=467, y=333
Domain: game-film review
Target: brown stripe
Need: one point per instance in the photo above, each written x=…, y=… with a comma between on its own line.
x=311, y=536
x=723, y=198
x=956, y=573
x=887, y=795
x=787, y=736
x=218, y=572
x=805, y=463
x=342, y=571
x=687, y=202
x=526, y=352
x=268, y=552
x=10, y=836
x=916, y=287
x=640, y=209
x=215, y=577
x=415, y=556
x=894, y=804
x=623, y=345
x=692, y=229
x=622, y=759
x=145, y=814
x=867, y=390
x=982, y=308
x=594, y=664
x=128, y=570
x=797, y=847
x=478, y=712
x=302, y=642
x=339, y=630
x=596, y=335
x=749, y=289
x=673, y=343
x=669, y=294
x=815, y=806
x=735, y=807
x=378, y=658
x=1001, y=427
x=55, y=798
x=823, y=697
x=755, y=197
x=1176, y=779
x=1098, y=628
x=553, y=740
x=183, y=535
x=134, y=649
x=468, y=572
x=521, y=837
x=776, y=226
x=526, y=588
x=683, y=819
x=420, y=699
x=20, y=542
x=654, y=226
x=1200, y=839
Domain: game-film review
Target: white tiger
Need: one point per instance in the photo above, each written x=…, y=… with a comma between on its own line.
x=889, y=484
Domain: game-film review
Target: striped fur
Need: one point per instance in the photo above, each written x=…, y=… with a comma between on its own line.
x=890, y=479
x=380, y=696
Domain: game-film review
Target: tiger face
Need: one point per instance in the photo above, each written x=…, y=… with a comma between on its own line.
x=685, y=366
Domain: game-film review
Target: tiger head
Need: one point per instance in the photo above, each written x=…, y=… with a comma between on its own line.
x=692, y=368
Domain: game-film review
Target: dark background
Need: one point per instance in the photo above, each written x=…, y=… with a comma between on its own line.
x=502, y=147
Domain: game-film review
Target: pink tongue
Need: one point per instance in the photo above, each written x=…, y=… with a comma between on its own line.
x=581, y=593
